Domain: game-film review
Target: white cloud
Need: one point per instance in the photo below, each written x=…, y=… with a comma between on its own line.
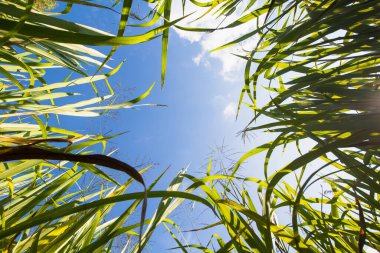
x=201, y=59
x=230, y=110
x=197, y=59
x=190, y=36
x=231, y=65
x=218, y=99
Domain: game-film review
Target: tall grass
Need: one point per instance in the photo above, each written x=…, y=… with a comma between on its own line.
x=320, y=60
x=47, y=203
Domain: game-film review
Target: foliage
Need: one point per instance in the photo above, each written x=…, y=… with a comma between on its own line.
x=55, y=206
x=320, y=58
x=321, y=61
x=44, y=4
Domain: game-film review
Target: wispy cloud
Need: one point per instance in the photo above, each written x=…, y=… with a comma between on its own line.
x=226, y=105
x=197, y=59
x=231, y=65
x=201, y=60
x=230, y=110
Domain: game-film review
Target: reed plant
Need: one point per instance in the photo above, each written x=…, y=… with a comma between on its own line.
x=319, y=62
x=49, y=202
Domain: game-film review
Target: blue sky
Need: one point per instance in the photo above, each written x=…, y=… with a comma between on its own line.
x=200, y=96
